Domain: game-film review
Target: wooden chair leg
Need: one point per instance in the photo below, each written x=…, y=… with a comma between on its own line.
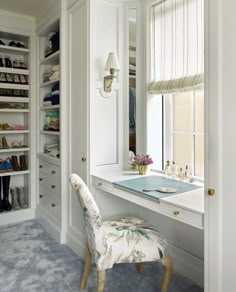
x=84, y=279
x=101, y=275
x=168, y=268
x=139, y=267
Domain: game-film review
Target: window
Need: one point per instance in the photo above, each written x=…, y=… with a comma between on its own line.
x=176, y=82
x=184, y=130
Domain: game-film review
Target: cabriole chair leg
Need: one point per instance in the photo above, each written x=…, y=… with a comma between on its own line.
x=101, y=275
x=84, y=280
x=139, y=267
x=168, y=268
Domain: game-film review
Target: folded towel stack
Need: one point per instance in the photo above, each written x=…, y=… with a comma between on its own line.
x=52, y=74
x=52, y=121
x=52, y=97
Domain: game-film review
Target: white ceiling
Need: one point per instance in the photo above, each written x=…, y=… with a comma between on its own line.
x=34, y=8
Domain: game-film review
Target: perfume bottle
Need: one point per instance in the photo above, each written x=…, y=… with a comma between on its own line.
x=174, y=168
x=167, y=168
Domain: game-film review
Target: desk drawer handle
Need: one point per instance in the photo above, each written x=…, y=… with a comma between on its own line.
x=99, y=184
x=176, y=212
x=53, y=186
x=41, y=196
x=53, y=171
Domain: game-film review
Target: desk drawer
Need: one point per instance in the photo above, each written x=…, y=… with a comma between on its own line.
x=182, y=214
x=49, y=169
x=103, y=185
x=51, y=183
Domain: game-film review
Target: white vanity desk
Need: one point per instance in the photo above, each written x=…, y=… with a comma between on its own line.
x=187, y=207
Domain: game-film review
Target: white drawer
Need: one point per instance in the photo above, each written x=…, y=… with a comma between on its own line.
x=51, y=183
x=103, y=185
x=182, y=214
x=50, y=201
x=49, y=169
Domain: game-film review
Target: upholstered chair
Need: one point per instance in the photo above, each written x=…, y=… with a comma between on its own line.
x=127, y=240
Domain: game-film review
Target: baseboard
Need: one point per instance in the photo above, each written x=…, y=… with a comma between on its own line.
x=52, y=227
x=187, y=264
x=13, y=217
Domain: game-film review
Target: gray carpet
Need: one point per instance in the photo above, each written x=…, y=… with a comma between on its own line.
x=31, y=261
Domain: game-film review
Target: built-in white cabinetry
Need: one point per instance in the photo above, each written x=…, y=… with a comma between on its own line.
x=15, y=128
x=49, y=130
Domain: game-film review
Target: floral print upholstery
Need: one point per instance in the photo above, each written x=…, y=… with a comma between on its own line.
x=127, y=240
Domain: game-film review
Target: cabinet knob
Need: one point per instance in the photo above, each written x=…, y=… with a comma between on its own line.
x=40, y=166
x=41, y=196
x=53, y=205
x=176, y=212
x=40, y=179
x=211, y=192
x=53, y=186
x=53, y=171
x=99, y=184
x=84, y=159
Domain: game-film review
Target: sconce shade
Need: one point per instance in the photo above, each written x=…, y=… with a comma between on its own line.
x=112, y=62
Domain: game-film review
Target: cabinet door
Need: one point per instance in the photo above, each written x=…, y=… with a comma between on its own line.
x=77, y=88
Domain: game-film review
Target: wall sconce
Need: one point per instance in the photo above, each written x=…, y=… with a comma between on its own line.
x=112, y=65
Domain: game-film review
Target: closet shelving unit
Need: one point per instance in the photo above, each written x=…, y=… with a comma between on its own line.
x=15, y=110
x=49, y=167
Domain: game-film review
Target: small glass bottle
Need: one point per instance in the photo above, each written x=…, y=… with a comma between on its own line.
x=167, y=167
x=174, y=168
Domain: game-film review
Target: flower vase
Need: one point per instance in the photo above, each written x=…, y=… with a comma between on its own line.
x=142, y=169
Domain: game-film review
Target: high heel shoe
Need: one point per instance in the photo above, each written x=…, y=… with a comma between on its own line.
x=9, y=78
x=1, y=62
x=23, y=79
x=16, y=79
x=3, y=78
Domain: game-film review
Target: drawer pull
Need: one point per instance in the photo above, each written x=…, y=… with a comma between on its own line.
x=176, y=212
x=99, y=184
x=53, y=171
x=40, y=166
x=53, y=186
x=41, y=196
x=53, y=205
x=40, y=179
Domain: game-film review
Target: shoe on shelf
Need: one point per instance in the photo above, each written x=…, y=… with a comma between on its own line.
x=16, y=64
x=4, y=143
x=8, y=63
x=1, y=62
x=18, y=144
x=22, y=65
x=23, y=79
x=2, y=43
x=12, y=44
x=6, y=127
x=14, y=199
x=21, y=197
x=16, y=127
x=23, y=162
x=9, y=78
x=20, y=45
x=8, y=164
x=15, y=164
x=2, y=166
x=16, y=79
x=3, y=78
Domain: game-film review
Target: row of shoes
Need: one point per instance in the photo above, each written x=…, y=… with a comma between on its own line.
x=13, y=78
x=11, y=164
x=17, y=64
x=13, y=127
x=18, y=198
x=13, y=92
x=13, y=44
x=14, y=144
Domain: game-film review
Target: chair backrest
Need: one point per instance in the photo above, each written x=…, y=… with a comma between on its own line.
x=93, y=221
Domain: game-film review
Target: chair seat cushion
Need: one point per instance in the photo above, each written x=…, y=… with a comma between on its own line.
x=130, y=240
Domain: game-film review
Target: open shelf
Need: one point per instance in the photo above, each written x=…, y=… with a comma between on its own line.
x=14, y=99
x=49, y=158
x=14, y=172
x=14, y=86
x=14, y=71
x=57, y=133
x=48, y=83
x=14, y=132
x=50, y=107
x=13, y=50
x=53, y=59
x=14, y=150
